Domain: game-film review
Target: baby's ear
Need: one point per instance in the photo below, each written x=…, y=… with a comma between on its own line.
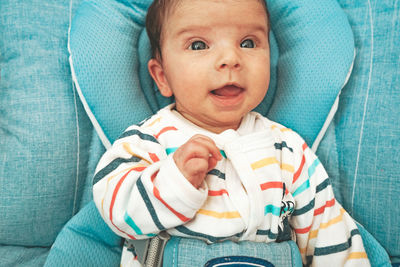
x=157, y=73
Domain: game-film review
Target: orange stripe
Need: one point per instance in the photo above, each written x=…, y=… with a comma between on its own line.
x=303, y=230
x=298, y=172
x=305, y=146
x=320, y=210
x=108, y=181
x=166, y=129
x=270, y=185
x=276, y=185
x=154, y=157
x=303, y=160
x=212, y=193
x=117, y=187
x=179, y=215
x=321, y=225
x=154, y=176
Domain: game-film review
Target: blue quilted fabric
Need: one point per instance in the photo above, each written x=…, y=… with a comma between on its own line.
x=361, y=150
x=43, y=145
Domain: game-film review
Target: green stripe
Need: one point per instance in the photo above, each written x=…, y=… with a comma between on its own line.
x=112, y=166
x=267, y=233
x=336, y=248
x=149, y=205
x=323, y=185
x=304, y=209
x=272, y=209
x=217, y=173
x=142, y=136
x=302, y=188
x=313, y=166
x=282, y=145
x=132, y=224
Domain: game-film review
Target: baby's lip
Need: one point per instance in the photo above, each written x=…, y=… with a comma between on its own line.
x=228, y=90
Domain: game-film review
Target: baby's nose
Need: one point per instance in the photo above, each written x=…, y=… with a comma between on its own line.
x=228, y=59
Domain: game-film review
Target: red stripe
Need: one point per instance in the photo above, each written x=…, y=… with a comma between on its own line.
x=298, y=172
x=270, y=185
x=154, y=176
x=154, y=157
x=303, y=231
x=320, y=210
x=179, y=215
x=166, y=129
x=212, y=193
x=304, y=146
x=115, y=195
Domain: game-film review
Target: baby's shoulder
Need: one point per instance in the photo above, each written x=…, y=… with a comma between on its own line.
x=152, y=124
x=283, y=134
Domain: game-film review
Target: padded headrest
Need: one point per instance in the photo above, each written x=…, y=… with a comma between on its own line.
x=312, y=51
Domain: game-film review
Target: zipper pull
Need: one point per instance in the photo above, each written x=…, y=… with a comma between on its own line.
x=155, y=250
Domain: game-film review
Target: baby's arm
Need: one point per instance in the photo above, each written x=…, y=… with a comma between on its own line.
x=325, y=232
x=141, y=190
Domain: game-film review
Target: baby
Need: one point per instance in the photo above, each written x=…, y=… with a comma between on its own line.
x=208, y=167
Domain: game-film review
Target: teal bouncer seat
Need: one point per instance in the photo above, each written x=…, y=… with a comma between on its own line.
x=334, y=79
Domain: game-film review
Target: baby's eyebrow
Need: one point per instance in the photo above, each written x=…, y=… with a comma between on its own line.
x=192, y=29
x=204, y=28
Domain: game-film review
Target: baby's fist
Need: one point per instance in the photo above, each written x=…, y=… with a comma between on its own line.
x=196, y=158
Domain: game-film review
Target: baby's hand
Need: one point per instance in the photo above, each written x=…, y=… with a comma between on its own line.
x=196, y=158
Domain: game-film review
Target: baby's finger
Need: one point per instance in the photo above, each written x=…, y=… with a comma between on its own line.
x=208, y=143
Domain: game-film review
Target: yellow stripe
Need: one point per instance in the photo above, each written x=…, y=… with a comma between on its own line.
x=357, y=255
x=287, y=167
x=220, y=215
x=314, y=233
x=263, y=163
x=280, y=129
x=333, y=221
x=128, y=149
x=153, y=122
x=269, y=161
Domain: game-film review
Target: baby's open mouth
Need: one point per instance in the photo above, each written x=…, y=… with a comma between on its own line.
x=228, y=91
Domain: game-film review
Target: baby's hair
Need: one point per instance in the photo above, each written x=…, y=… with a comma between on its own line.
x=156, y=15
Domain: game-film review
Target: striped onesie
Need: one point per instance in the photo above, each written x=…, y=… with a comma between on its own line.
x=267, y=180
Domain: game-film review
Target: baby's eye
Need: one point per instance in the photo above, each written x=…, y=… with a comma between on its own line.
x=248, y=43
x=198, y=45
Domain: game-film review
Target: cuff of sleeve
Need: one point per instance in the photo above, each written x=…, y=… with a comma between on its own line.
x=174, y=181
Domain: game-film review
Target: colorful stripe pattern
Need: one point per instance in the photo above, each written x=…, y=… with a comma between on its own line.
x=141, y=192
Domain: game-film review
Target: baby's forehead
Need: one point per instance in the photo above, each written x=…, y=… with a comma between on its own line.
x=170, y=6
x=204, y=15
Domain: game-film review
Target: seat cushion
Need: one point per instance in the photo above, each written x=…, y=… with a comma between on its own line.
x=43, y=130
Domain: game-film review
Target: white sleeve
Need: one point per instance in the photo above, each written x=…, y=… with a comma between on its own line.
x=141, y=191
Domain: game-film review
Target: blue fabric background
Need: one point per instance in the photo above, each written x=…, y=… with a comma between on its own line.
x=361, y=150
x=46, y=138
x=44, y=131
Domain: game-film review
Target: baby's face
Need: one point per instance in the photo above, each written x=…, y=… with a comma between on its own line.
x=215, y=60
